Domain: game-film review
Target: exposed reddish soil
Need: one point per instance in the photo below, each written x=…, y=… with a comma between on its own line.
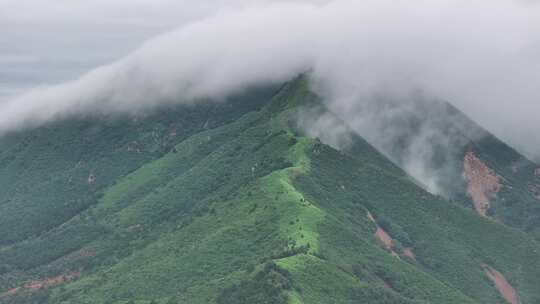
x=10, y=292
x=43, y=283
x=537, y=172
x=483, y=183
x=505, y=289
x=385, y=239
x=409, y=253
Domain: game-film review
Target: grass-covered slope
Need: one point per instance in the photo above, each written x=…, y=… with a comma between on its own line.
x=50, y=174
x=252, y=211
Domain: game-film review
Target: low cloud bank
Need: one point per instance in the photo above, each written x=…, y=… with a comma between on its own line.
x=482, y=56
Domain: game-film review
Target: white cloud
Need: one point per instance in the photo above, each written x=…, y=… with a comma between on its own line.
x=481, y=55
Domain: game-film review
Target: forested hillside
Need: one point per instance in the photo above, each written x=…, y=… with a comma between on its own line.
x=232, y=202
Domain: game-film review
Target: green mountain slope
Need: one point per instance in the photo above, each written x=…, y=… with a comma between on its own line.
x=465, y=163
x=247, y=210
x=50, y=174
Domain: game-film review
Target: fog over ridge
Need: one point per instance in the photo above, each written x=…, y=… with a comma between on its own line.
x=482, y=56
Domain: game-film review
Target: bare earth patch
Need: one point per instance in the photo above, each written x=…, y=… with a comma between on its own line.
x=10, y=292
x=505, y=289
x=483, y=183
x=385, y=239
x=409, y=253
x=537, y=172
x=43, y=283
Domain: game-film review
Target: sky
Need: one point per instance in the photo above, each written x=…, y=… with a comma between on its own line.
x=44, y=42
x=60, y=58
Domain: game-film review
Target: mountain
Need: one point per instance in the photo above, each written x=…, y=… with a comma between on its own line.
x=453, y=156
x=233, y=202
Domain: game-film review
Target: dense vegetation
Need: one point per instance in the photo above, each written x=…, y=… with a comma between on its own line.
x=231, y=203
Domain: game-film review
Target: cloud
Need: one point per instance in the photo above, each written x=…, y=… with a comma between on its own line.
x=318, y=122
x=482, y=56
x=64, y=39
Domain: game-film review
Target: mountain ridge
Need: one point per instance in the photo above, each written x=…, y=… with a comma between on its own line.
x=254, y=211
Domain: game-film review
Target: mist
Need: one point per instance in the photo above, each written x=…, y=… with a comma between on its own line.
x=482, y=56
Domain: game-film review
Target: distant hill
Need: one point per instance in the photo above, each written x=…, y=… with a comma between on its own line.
x=232, y=202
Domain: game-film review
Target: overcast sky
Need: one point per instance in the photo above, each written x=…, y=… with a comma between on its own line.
x=51, y=41
x=483, y=56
